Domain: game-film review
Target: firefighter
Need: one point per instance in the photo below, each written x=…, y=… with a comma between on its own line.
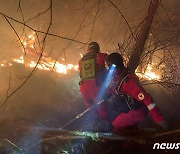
x=92, y=67
x=130, y=98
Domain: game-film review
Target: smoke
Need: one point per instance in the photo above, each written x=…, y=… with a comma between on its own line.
x=46, y=97
x=49, y=99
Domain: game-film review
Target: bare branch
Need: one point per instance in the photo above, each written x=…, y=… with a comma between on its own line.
x=16, y=34
x=32, y=72
x=95, y=17
x=142, y=36
x=123, y=18
x=3, y=105
x=39, y=14
x=38, y=31
x=19, y=8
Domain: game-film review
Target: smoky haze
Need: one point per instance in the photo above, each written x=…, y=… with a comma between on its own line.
x=72, y=19
x=50, y=99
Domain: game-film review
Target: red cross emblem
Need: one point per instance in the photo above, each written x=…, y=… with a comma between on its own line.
x=141, y=96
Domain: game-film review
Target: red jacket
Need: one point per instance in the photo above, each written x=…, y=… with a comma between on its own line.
x=132, y=87
x=90, y=88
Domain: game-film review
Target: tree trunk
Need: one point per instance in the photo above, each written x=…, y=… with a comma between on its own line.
x=142, y=36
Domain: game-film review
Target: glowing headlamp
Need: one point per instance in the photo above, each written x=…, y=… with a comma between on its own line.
x=113, y=65
x=110, y=67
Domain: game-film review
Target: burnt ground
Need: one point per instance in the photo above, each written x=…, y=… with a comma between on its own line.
x=48, y=101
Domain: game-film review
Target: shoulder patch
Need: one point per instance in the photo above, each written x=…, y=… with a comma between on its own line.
x=141, y=96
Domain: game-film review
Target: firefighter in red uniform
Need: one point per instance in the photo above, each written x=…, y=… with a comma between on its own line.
x=92, y=67
x=130, y=97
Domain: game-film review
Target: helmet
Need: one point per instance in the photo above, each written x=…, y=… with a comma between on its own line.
x=94, y=45
x=115, y=58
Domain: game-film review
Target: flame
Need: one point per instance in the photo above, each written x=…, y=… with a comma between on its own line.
x=31, y=37
x=32, y=46
x=148, y=74
x=152, y=76
x=6, y=64
x=60, y=68
x=48, y=64
x=20, y=60
x=25, y=43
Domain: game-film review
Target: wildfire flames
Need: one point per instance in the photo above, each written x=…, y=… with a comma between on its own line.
x=49, y=64
x=46, y=63
x=148, y=74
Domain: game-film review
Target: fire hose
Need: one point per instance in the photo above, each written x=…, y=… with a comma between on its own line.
x=81, y=114
x=99, y=97
x=7, y=144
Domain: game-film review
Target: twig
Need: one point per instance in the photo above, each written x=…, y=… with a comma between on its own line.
x=15, y=33
x=43, y=47
x=38, y=31
x=19, y=8
x=167, y=133
x=123, y=18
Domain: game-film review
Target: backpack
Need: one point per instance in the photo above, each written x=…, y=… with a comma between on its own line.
x=88, y=66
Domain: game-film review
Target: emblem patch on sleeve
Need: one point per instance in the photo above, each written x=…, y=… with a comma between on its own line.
x=141, y=96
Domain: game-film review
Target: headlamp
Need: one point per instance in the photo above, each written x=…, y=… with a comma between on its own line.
x=110, y=66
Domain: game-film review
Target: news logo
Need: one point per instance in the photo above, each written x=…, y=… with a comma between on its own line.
x=166, y=146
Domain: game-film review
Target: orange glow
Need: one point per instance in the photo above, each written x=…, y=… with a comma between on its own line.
x=25, y=43
x=32, y=46
x=148, y=74
x=48, y=64
x=20, y=60
x=31, y=37
x=58, y=68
